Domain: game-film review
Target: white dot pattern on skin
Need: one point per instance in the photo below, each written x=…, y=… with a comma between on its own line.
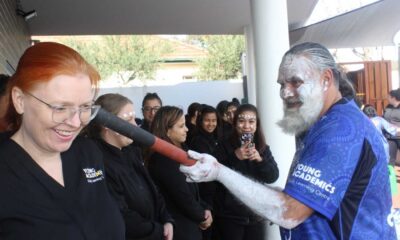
x=247, y=117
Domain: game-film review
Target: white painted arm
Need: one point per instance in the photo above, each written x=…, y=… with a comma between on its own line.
x=270, y=203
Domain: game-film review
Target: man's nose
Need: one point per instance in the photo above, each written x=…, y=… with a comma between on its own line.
x=286, y=91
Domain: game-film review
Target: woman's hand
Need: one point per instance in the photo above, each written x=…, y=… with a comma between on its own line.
x=254, y=155
x=168, y=231
x=206, y=223
x=243, y=152
x=248, y=151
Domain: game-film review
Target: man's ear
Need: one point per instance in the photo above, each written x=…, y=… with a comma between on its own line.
x=18, y=98
x=326, y=85
x=327, y=78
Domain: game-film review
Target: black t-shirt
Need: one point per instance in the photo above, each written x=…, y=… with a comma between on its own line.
x=141, y=205
x=4, y=136
x=34, y=206
x=182, y=198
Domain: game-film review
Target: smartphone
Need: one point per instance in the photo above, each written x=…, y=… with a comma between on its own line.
x=247, y=137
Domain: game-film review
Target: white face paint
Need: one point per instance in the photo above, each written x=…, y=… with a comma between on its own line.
x=301, y=92
x=246, y=123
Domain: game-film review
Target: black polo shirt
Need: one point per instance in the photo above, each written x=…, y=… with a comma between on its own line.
x=34, y=206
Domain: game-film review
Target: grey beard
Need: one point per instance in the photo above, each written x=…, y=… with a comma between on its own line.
x=298, y=121
x=292, y=123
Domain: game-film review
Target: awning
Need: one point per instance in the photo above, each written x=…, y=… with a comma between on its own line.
x=372, y=25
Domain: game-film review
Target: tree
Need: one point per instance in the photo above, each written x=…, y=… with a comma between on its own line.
x=91, y=51
x=223, y=61
x=134, y=57
x=130, y=57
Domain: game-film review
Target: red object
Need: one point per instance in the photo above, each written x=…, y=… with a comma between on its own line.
x=172, y=151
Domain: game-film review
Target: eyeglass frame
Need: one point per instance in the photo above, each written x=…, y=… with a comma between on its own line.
x=151, y=109
x=128, y=116
x=54, y=108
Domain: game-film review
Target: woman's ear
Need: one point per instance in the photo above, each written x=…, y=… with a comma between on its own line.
x=18, y=99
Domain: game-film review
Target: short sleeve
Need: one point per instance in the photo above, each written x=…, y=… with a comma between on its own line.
x=325, y=163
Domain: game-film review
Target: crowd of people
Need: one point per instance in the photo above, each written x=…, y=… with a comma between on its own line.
x=65, y=177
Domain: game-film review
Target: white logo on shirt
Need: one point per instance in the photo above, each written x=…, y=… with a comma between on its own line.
x=93, y=175
x=312, y=175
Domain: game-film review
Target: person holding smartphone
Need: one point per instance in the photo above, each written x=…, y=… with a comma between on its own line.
x=246, y=152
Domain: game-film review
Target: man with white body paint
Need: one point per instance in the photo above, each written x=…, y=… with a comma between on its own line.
x=338, y=185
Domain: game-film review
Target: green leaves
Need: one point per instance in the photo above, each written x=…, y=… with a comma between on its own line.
x=130, y=57
x=138, y=57
x=223, y=61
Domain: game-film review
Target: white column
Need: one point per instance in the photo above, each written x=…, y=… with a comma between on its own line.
x=271, y=41
x=251, y=78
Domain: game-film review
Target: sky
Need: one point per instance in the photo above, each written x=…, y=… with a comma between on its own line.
x=325, y=9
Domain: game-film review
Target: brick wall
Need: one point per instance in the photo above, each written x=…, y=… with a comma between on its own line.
x=14, y=36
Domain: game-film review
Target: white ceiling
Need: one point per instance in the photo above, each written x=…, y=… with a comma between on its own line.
x=98, y=17
x=372, y=25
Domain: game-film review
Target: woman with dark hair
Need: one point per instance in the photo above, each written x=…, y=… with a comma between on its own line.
x=208, y=132
x=221, y=109
x=150, y=105
x=52, y=182
x=182, y=198
x=244, y=151
x=206, y=140
x=191, y=116
x=230, y=111
x=140, y=203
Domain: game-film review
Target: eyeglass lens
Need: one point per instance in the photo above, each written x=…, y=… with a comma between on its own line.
x=60, y=115
x=148, y=109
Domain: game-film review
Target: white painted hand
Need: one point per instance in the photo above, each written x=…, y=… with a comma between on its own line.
x=206, y=168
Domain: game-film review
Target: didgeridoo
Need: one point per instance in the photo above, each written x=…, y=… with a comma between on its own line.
x=142, y=137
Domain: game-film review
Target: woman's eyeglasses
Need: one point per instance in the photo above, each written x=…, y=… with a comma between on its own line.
x=62, y=113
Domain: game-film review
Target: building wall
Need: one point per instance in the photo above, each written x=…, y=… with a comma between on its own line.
x=14, y=36
x=177, y=71
x=183, y=94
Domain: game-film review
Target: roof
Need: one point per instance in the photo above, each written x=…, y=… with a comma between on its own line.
x=372, y=25
x=110, y=17
x=183, y=52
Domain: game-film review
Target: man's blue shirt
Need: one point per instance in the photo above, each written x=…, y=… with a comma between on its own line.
x=341, y=172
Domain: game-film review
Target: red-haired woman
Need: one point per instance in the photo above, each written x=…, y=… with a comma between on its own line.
x=52, y=184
